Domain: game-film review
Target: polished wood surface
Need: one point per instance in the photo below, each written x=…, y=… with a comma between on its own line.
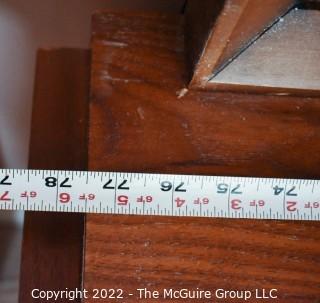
x=52, y=251
x=219, y=30
x=143, y=118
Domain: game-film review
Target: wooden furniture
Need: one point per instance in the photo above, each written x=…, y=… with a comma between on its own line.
x=53, y=243
x=274, y=62
x=139, y=121
x=144, y=118
x=254, y=46
x=214, y=40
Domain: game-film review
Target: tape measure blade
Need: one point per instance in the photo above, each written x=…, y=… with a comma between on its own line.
x=159, y=194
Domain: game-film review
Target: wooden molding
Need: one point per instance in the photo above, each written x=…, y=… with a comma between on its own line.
x=285, y=60
x=218, y=30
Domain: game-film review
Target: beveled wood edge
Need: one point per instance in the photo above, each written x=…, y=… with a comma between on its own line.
x=211, y=50
x=263, y=90
x=202, y=73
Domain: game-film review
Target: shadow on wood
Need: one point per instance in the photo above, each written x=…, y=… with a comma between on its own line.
x=53, y=242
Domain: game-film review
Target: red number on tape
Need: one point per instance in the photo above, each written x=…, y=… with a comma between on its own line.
x=4, y=196
x=87, y=197
x=64, y=198
x=201, y=201
x=179, y=202
x=235, y=204
x=257, y=203
x=291, y=205
x=123, y=200
x=143, y=199
x=26, y=194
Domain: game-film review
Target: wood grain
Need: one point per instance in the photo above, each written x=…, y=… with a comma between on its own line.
x=142, y=118
x=53, y=242
x=233, y=25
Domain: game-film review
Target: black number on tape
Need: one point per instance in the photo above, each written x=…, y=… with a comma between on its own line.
x=3, y=181
x=278, y=190
x=120, y=186
x=107, y=185
x=223, y=189
x=167, y=186
x=52, y=182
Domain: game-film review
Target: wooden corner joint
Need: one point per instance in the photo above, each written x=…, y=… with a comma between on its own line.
x=216, y=31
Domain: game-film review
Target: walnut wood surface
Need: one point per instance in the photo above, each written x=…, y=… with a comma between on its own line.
x=53, y=242
x=142, y=118
x=219, y=30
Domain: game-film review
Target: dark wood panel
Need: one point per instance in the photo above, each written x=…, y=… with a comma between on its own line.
x=53, y=242
x=142, y=118
x=219, y=30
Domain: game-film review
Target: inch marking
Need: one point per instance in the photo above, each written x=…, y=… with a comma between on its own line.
x=159, y=194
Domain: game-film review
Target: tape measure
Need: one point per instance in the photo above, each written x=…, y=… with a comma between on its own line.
x=159, y=194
